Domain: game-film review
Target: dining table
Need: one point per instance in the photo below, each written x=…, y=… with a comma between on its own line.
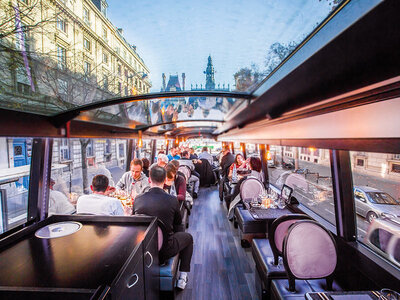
x=261, y=213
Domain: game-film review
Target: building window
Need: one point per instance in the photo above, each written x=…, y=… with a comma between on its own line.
x=360, y=162
x=25, y=39
x=126, y=91
x=104, y=6
x=89, y=149
x=65, y=153
x=396, y=156
x=119, y=70
x=61, y=57
x=86, y=68
x=61, y=25
x=105, y=33
x=105, y=58
x=107, y=146
x=86, y=44
x=86, y=16
x=117, y=50
x=121, y=150
x=396, y=168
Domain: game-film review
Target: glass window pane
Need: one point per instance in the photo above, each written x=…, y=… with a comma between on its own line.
x=72, y=177
x=308, y=172
x=376, y=196
x=14, y=181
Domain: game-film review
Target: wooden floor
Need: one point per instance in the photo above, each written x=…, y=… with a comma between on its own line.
x=220, y=268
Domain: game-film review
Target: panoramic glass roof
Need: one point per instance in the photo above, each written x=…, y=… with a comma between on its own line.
x=87, y=51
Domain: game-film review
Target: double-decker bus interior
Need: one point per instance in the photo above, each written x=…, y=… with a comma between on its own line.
x=281, y=162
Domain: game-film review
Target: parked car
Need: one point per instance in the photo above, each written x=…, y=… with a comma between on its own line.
x=372, y=203
x=383, y=236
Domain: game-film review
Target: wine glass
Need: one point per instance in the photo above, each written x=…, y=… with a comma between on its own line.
x=387, y=294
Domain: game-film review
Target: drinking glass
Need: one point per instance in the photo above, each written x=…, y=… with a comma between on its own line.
x=387, y=294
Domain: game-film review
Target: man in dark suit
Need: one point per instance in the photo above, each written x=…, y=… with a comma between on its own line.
x=227, y=159
x=156, y=202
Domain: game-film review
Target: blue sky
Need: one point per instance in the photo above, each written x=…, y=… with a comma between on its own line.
x=177, y=36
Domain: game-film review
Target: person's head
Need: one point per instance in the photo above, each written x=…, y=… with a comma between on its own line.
x=205, y=149
x=171, y=173
x=157, y=176
x=255, y=164
x=136, y=168
x=52, y=183
x=175, y=163
x=162, y=160
x=99, y=184
x=239, y=159
x=174, y=151
x=225, y=150
x=191, y=150
x=185, y=154
x=161, y=152
x=146, y=163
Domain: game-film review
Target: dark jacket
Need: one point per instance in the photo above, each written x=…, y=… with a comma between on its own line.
x=180, y=186
x=156, y=202
x=226, y=162
x=206, y=173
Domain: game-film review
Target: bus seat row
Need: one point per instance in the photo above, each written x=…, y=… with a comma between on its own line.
x=300, y=256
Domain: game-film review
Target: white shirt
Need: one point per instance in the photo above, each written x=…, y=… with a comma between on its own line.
x=59, y=204
x=208, y=156
x=98, y=204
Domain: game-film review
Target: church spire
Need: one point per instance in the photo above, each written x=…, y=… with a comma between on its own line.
x=210, y=81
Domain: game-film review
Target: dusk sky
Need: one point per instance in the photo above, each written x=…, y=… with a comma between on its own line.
x=177, y=36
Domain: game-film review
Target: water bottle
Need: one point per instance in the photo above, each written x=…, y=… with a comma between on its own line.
x=234, y=174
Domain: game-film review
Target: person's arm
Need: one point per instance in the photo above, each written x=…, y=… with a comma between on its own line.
x=178, y=226
x=121, y=183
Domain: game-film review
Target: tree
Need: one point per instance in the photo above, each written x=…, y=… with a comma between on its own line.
x=247, y=78
x=276, y=54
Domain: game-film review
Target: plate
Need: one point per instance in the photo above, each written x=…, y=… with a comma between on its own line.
x=58, y=230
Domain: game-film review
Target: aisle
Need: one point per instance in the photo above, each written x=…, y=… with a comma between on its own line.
x=221, y=268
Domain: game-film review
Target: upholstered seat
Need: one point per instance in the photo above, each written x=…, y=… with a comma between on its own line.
x=168, y=273
x=266, y=253
x=310, y=259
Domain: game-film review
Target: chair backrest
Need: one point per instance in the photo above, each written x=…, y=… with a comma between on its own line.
x=186, y=171
x=251, y=187
x=278, y=230
x=309, y=252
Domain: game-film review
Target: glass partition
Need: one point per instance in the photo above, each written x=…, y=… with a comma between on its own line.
x=308, y=172
x=376, y=186
x=15, y=164
x=74, y=164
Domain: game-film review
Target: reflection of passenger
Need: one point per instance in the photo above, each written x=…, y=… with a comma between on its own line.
x=58, y=202
x=100, y=169
x=98, y=203
x=134, y=180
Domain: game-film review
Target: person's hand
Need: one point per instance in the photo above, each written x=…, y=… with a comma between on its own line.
x=110, y=190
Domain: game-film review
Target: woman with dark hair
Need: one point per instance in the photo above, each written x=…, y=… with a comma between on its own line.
x=255, y=167
x=146, y=165
x=175, y=184
x=239, y=163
